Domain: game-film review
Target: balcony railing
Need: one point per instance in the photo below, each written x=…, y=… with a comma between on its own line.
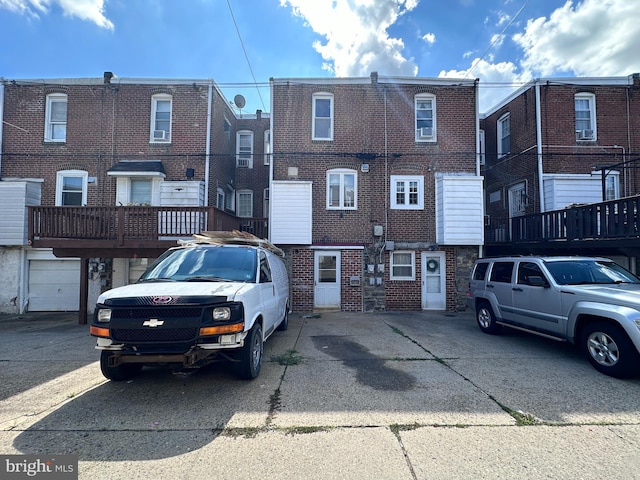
x=129, y=227
x=614, y=219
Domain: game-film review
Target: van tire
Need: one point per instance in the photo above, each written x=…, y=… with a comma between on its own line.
x=486, y=319
x=119, y=373
x=284, y=324
x=251, y=354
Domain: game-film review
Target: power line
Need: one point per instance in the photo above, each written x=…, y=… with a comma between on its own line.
x=245, y=54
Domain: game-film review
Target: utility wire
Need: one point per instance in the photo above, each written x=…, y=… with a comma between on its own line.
x=496, y=39
x=245, y=54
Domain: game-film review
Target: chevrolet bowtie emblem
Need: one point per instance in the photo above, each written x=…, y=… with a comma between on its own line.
x=152, y=322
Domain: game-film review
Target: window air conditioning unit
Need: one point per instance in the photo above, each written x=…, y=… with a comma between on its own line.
x=425, y=132
x=584, y=134
x=160, y=134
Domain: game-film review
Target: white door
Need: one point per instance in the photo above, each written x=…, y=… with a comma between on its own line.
x=54, y=285
x=326, y=279
x=434, y=291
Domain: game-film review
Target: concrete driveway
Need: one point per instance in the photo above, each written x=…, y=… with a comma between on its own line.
x=415, y=395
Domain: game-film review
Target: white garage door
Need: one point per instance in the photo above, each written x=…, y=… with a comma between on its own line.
x=54, y=285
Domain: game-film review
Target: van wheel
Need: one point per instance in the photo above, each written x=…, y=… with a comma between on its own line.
x=284, y=324
x=119, y=373
x=251, y=354
x=486, y=319
x=609, y=350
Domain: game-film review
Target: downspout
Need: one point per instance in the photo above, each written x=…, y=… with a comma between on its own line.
x=208, y=144
x=539, y=147
x=271, y=159
x=478, y=157
x=1, y=121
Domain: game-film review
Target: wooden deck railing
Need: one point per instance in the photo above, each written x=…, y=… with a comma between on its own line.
x=122, y=225
x=614, y=219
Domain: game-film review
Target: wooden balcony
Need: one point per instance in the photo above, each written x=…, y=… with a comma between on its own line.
x=121, y=232
x=611, y=227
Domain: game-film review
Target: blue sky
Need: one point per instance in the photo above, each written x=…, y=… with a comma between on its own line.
x=242, y=43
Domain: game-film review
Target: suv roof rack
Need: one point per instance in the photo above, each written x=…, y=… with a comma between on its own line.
x=234, y=237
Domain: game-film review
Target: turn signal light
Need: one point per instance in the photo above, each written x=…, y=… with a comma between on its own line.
x=99, y=331
x=221, y=329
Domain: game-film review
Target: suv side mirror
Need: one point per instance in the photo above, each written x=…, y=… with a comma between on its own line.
x=537, y=281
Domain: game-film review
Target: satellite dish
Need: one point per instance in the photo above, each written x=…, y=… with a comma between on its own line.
x=239, y=101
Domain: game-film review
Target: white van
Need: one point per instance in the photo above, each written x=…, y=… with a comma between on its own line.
x=217, y=293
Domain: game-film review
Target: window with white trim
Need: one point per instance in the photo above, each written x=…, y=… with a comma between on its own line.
x=265, y=203
x=71, y=187
x=342, y=189
x=220, y=198
x=267, y=147
x=407, y=192
x=585, y=108
x=245, y=203
x=322, y=127
x=504, y=135
x=55, y=129
x=140, y=191
x=403, y=265
x=425, y=111
x=244, y=149
x=161, y=105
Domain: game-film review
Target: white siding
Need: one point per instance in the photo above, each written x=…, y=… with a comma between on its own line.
x=459, y=210
x=182, y=193
x=291, y=215
x=14, y=198
x=563, y=190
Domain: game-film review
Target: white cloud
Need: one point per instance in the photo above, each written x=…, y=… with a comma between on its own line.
x=429, y=38
x=497, y=80
x=356, y=41
x=90, y=10
x=592, y=38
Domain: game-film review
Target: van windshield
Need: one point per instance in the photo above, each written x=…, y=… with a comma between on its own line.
x=235, y=264
x=584, y=272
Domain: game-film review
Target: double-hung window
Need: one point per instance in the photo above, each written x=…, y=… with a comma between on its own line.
x=55, y=129
x=322, y=116
x=402, y=265
x=245, y=203
x=585, y=107
x=425, y=105
x=140, y=192
x=504, y=135
x=161, y=118
x=244, y=149
x=71, y=188
x=267, y=147
x=407, y=192
x=342, y=189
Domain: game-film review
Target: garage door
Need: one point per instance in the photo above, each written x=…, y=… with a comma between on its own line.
x=54, y=285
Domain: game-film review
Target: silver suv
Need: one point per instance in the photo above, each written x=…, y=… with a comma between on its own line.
x=591, y=302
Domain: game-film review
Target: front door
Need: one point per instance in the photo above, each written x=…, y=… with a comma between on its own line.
x=326, y=280
x=434, y=291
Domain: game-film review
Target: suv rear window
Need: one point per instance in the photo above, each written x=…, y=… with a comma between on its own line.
x=501, y=272
x=481, y=271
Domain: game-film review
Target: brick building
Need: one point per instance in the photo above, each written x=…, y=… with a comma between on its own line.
x=375, y=190
x=106, y=142
x=549, y=144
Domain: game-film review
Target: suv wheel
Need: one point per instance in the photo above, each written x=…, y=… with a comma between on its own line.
x=486, y=319
x=119, y=373
x=251, y=354
x=609, y=350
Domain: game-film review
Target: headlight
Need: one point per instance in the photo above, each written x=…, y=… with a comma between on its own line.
x=222, y=313
x=104, y=315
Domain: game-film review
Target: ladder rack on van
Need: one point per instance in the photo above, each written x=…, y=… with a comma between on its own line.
x=234, y=237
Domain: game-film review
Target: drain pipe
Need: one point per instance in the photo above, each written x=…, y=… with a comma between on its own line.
x=207, y=157
x=539, y=147
x=1, y=120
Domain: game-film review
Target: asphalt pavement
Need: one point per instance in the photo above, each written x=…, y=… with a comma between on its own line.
x=410, y=395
